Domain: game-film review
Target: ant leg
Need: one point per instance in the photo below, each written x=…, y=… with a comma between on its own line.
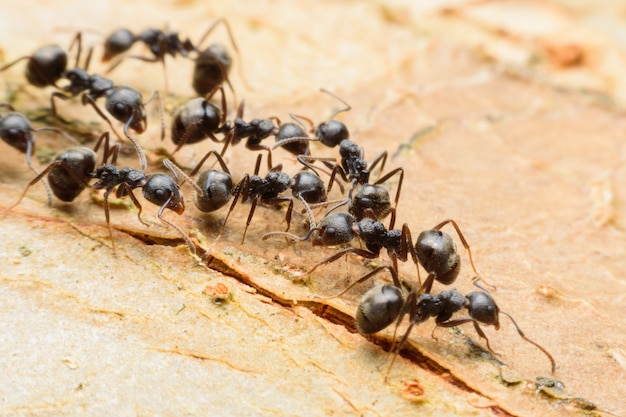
x=400, y=180
x=523, y=336
x=40, y=176
x=87, y=99
x=156, y=96
x=466, y=246
x=78, y=41
x=259, y=148
x=124, y=189
x=53, y=107
x=410, y=308
x=60, y=132
x=407, y=248
x=380, y=159
x=463, y=241
x=458, y=322
x=107, y=216
x=219, y=158
x=360, y=252
x=250, y=215
x=377, y=270
x=29, y=151
x=278, y=200
x=428, y=284
x=241, y=188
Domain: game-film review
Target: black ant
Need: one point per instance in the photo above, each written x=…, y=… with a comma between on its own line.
x=199, y=119
x=384, y=304
x=123, y=103
x=434, y=250
x=330, y=133
x=69, y=174
x=16, y=131
x=214, y=189
x=212, y=64
x=353, y=168
x=159, y=189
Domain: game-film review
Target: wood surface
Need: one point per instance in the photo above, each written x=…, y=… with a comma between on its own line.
x=506, y=116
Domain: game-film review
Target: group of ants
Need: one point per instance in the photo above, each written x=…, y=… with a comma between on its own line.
x=368, y=202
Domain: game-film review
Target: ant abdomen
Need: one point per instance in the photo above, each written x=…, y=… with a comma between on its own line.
x=288, y=131
x=46, y=66
x=437, y=253
x=211, y=69
x=16, y=131
x=65, y=186
x=379, y=307
x=195, y=121
x=310, y=186
x=117, y=43
x=335, y=229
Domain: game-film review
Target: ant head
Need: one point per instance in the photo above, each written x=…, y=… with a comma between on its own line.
x=46, y=66
x=162, y=190
x=117, y=43
x=379, y=307
x=334, y=229
x=217, y=189
x=482, y=308
x=437, y=253
x=196, y=120
x=126, y=105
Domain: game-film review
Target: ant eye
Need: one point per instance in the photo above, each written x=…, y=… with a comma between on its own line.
x=122, y=108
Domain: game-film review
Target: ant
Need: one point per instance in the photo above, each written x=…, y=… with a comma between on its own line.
x=384, y=304
x=434, y=249
x=212, y=64
x=330, y=133
x=353, y=168
x=159, y=189
x=16, y=131
x=214, y=189
x=69, y=174
x=199, y=119
x=48, y=65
